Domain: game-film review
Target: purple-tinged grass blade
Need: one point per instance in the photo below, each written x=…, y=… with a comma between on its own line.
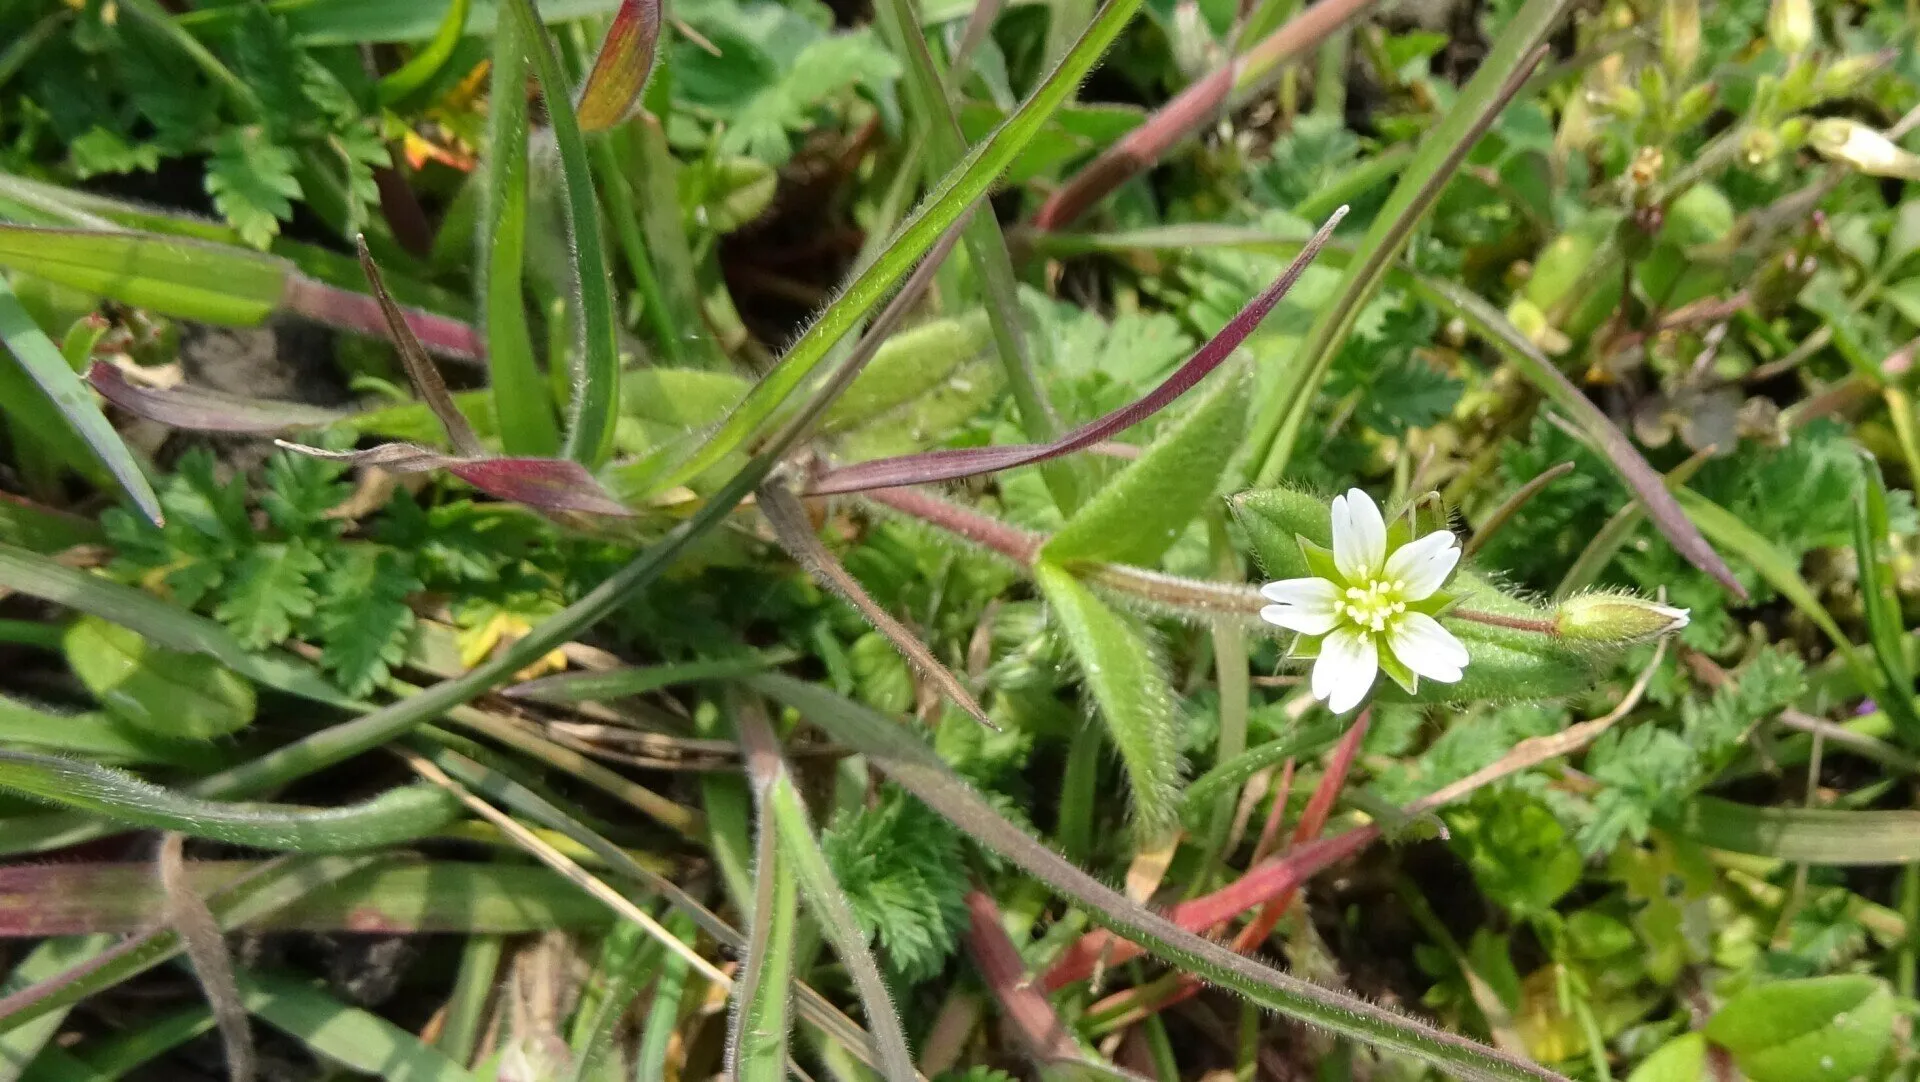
x=620, y=71
x=198, y=409
x=343, y=308
x=544, y=484
x=426, y=378
x=933, y=466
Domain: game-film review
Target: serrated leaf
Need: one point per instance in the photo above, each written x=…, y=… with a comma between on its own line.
x=102, y=151
x=265, y=56
x=1128, y=685
x=365, y=623
x=267, y=592
x=252, y=184
x=164, y=692
x=1139, y=514
x=1823, y=1028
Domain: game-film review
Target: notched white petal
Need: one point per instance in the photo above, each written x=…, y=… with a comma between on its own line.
x=1421, y=644
x=1345, y=672
x=1309, y=593
x=1359, y=535
x=1424, y=564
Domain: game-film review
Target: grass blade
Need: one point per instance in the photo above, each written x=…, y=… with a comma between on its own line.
x=397, y=815
x=40, y=359
x=358, y=1039
x=413, y=359
x=596, y=384
x=953, y=197
x=951, y=465
x=521, y=399
x=757, y=1030
x=592, y=687
x=1825, y=836
x=916, y=767
x=781, y=803
x=1661, y=505
x=199, y=409
x=207, y=952
x=1498, y=78
x=419, y=70
x=1885, y=629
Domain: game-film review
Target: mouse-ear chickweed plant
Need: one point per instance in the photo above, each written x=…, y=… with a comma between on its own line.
x=778, y=532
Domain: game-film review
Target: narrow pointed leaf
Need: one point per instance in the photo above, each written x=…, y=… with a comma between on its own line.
x=41, y=360
x=956, y=194
x=1129, y=687
x=917, y=768
x=1139, y=514
x=544, y=484
x=521, y=398
x=757, y=1030
x=828, y=904
x=420, y=371
x=174, y=276
x=1829, y=836
x=1661, y=505
x=596, y=384
x=965, y=462
x=591, y=687
x=420, y=69
x=397, y=815
x=200, y=409
x=361, y=1040
x=620, y=70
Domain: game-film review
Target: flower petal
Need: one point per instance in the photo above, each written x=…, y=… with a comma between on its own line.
x=1421, y=644
x=1311, y=593
x=1359, y=536
x=1424, y=564
x=1344, y=674
x=1294, y=618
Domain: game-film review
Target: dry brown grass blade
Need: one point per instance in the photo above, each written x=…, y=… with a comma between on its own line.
x=794, y=531
x=206, y=948
x=426, y=378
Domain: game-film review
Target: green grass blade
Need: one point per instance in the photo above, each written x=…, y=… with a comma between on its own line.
x=1662, y=506
x=520, y=398
x=757, y=1030
x=932, y=110
x=663, y=1013
x=40, y=359
x=589, y=687
x=37, y=576
x=1827, y=836
x=347, y=1035
x=189, y=279
x=916, y=767
x=397, y=815
x=783, y=812
x=596, y=385
x=420, y=69
x=114, y=1056
x=1128, y=682
x=956, y=193
x=1307, y=738
x=1885, y=629
x=21, y=1040
x=1498, y=77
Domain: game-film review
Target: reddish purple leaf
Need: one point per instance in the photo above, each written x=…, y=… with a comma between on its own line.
x=357, y=312
x=544, y=484
x=620, y=71
x=932, y=466
x=198, y=409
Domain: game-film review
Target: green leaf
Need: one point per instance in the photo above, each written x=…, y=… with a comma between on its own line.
x=173, y=276
x=268, y=592
x=1683, y=1059
x=1825, y=836
x=265, y=56
x=957, y=191
x=1823, y=1028
x=159, y=691
x=1139, y=514
x=346, y=1035
x=596, y=384
x=757, y=1035
x=1274, y=520
x=252, y=184
x=421, y=68
x=364, y=621
x=1129, y=686
x=521, y=399
x=397, y=815
x=53, y=382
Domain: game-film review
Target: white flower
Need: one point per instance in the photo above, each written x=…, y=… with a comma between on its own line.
x=1369, y=609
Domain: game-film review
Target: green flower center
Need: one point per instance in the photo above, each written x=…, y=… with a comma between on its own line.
x=1374, y=605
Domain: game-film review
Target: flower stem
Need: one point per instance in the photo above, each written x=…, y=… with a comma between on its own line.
x=1501, y=619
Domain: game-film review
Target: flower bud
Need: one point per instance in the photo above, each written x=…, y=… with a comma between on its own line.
x=1849, y=141
x=1615, y=619
x=1760, y=146
x=1694, y=106
x=1790, y=26
x=1848, y=74
x=1679, y=36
